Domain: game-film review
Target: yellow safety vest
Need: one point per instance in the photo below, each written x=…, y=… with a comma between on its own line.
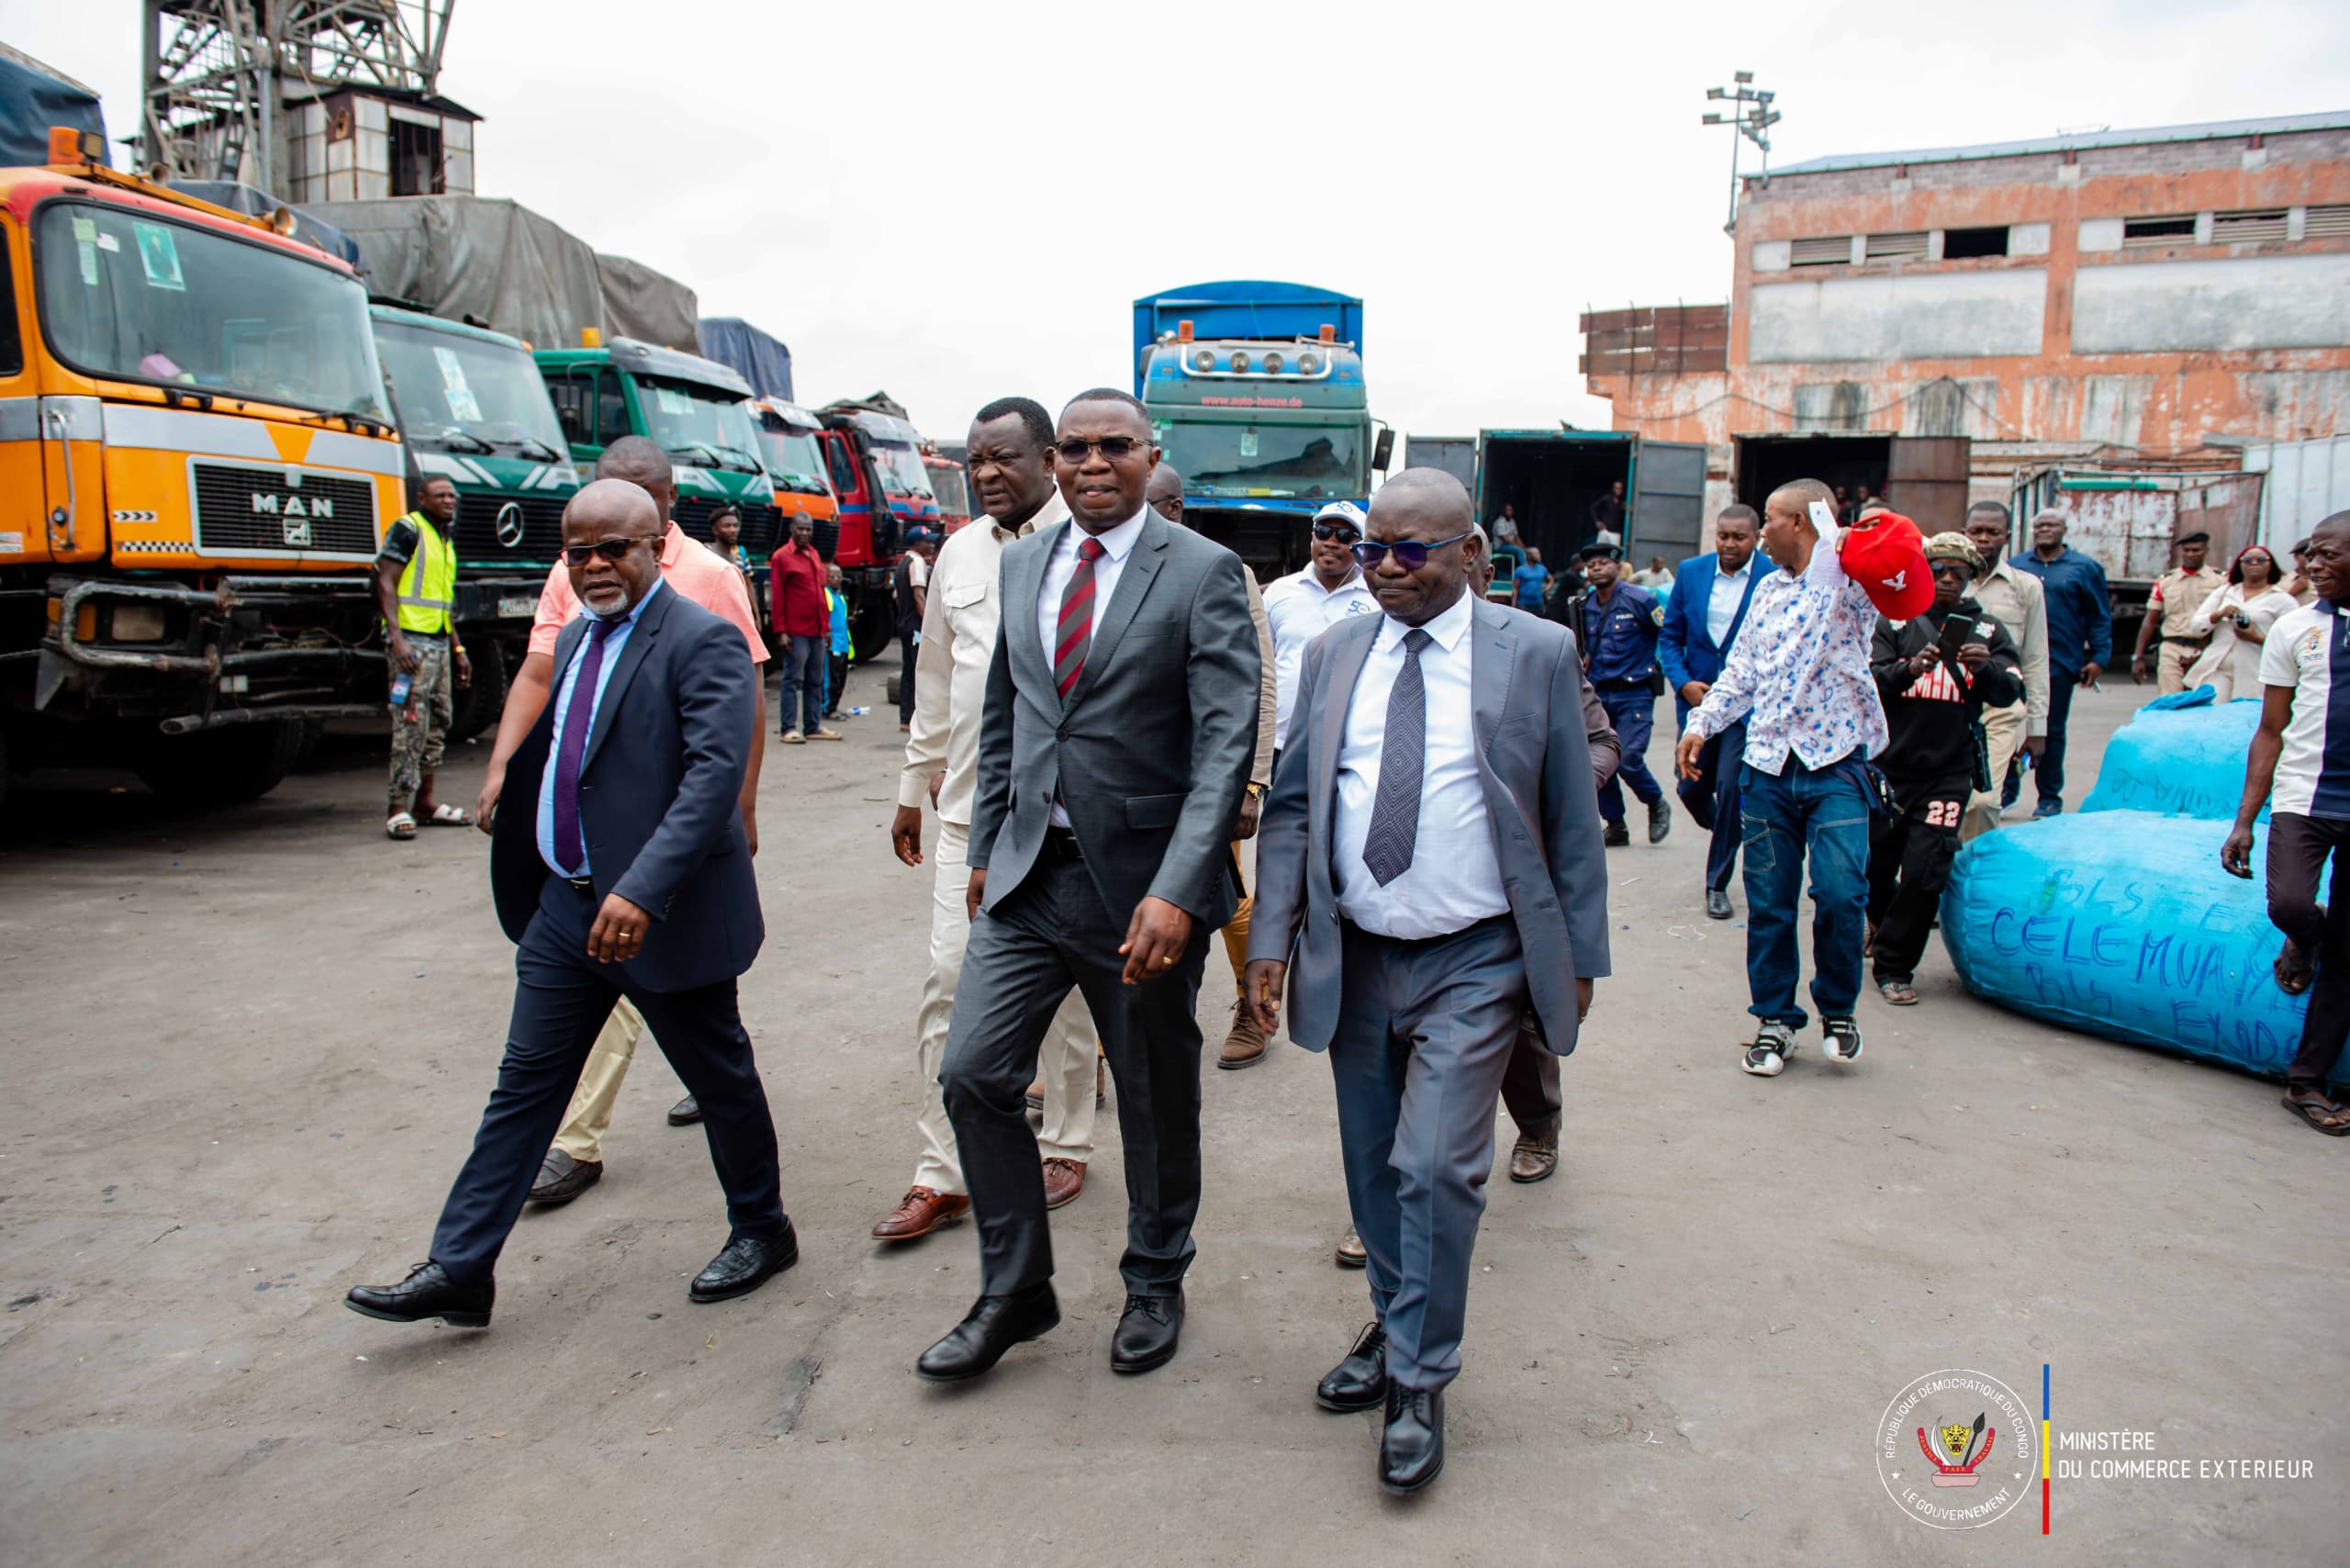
x=428, y=587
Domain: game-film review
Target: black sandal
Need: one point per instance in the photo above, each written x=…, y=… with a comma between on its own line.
x=2292, y=978
x=2319, y=1111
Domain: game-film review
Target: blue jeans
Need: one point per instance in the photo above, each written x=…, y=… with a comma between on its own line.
x=1824, y=814
x=803, y=684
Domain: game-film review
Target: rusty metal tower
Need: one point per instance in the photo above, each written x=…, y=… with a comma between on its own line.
x=217, y=74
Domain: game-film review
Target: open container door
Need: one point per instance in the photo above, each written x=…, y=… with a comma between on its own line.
x=1668, y=512
x=1926, y=479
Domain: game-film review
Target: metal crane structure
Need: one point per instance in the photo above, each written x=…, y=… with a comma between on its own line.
x=219, y=75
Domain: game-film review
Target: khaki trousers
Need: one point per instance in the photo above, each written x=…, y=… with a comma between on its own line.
x=1065, y=1063
x=2003, y=728
x=2171, y=662
x=590, y=1115
x=1235, y=935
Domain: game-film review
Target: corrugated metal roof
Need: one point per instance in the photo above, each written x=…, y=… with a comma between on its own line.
x=2209, y=131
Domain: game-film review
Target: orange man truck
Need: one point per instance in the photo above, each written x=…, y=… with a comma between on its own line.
x=196, y=465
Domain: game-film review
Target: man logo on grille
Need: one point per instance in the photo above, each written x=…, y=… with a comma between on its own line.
x=510, y=524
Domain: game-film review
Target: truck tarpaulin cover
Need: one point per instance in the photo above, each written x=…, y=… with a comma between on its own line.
x=2185, y=761
x=761, y=359
x=647, y=306
x=308, y=228
x=32, y=98
x=2122, y=924
x=474, y=259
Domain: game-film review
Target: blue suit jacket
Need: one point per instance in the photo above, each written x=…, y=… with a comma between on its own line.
x=660, y=787
x=1685, y=648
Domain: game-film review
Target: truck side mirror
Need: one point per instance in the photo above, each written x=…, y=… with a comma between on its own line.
x=1382, y=452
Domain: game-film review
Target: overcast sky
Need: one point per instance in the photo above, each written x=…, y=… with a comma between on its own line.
x=958, y=201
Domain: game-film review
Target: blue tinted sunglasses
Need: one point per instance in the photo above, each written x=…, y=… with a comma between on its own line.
x=1410, y=553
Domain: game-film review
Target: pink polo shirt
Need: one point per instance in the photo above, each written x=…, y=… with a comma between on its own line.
x=693, y=569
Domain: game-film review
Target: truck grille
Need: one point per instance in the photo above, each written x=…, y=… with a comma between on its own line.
x=241, y=509
x=762, y=524
x=537, y=517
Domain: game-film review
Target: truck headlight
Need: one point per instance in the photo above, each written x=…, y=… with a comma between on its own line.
x=136, y=623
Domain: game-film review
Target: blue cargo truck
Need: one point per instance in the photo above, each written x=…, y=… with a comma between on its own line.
x=1256, y=391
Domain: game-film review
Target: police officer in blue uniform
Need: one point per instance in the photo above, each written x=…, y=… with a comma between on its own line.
x=1622, y=622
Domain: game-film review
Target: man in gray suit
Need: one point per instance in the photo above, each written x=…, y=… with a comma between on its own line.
x=1431, y=855
x=1114, y=747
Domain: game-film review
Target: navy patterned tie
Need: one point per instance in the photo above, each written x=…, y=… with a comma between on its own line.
x=1403, y=756
x=571, y=745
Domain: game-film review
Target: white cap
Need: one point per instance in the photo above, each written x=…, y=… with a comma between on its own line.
x=1345, y=512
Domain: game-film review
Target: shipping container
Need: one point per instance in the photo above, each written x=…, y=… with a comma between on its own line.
x=1923, y=477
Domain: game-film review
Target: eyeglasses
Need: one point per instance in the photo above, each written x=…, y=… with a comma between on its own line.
x=1410, y=553
x=612, y=550
x=1115, y=448
x=1344, y=532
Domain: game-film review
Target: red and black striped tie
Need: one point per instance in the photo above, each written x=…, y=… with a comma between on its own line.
x=1073, y=632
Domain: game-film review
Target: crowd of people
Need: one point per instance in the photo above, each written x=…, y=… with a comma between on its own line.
x=1101, y=708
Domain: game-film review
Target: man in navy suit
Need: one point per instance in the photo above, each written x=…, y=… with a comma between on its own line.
x=620, y=868
x=1702, y=619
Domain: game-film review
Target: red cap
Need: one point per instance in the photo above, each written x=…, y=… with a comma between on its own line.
x=1888, y=558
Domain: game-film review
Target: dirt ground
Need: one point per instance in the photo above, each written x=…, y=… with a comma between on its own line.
x=246, y=1051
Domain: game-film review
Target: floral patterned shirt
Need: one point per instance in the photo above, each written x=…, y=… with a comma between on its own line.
x=1799, y=672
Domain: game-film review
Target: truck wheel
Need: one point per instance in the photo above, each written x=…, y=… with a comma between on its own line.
x=868, y=632
x=480, y=701
x=218, y=767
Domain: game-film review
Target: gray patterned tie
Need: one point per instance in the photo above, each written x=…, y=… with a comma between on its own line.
x=1403, y=755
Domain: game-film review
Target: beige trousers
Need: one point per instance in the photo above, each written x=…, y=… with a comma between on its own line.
x=2171, y=662
x=1065, y=1063
x=2003, y=728
x=1236, y=935
x=590, y=1115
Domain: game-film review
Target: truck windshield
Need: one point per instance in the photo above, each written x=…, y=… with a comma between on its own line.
x=795, y=457
x=700, y=425
x=902, y=470
x=954, y=498
x=1269, y=460
x=138, y=296
x=457, y=393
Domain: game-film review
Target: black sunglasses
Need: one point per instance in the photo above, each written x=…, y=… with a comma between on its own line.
x=1410, y=553
x=1344, y=532
x=1116, y=448
x=613, y=550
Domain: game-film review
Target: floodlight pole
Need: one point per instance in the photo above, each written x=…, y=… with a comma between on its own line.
x=1754, y=121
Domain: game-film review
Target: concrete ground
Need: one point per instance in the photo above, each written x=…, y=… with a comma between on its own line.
x=246, y=1051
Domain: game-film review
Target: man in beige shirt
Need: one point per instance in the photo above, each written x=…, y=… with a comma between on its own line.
x=1010, y=464
x=2016, y=601
x=1245, y=1045
x=2177, y=596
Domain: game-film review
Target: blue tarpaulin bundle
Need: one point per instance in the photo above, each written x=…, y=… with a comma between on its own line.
x=34, y=97
x=2123, y=923
x=2185, y=760
x=760, y=358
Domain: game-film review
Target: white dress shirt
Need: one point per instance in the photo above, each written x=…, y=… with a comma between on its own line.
x=1721, y=603
x=1299, y=608
x=958, y=628
x=1455, y=879
x=1117, y=544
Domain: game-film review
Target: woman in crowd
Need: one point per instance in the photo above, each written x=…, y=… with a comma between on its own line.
x=2238, y=617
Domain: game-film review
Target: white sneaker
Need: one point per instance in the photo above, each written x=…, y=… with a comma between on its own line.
x=1841, y=1038
x=1768, y=1056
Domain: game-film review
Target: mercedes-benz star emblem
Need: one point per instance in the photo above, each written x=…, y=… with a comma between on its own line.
x=510, y=524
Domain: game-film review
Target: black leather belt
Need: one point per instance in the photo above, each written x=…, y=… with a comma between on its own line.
x=1061, y=843
x=581, y=884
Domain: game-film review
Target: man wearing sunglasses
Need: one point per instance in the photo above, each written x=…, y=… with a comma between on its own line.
x=1301, y=606
x=622, y=870
x=1429, y=865
x=1114, y=749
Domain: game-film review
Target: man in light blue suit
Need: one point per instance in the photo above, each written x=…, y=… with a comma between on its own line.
x=1702, y=619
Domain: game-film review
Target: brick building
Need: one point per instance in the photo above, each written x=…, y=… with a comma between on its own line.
x=2121, y=295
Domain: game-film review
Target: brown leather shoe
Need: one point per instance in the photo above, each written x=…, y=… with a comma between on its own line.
x=1351, y=1252
x=1064, y=1180
x=1534, y=1158
x=562, y=1178
x=919, y=1213
x=1245, y=1045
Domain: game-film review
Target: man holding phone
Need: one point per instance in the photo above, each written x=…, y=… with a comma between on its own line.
x=1936, y=675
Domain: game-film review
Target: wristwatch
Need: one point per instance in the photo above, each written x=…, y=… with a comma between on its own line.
x=1256, y=791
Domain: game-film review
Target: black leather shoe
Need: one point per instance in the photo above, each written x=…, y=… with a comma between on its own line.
x=1659, y=819
x=743, y=1264
x=1146, y=1333
x=427, y=1292
x=1410, y=1450
x=1614, y=835
x=562, y=1178
x=685, y=1112
x=1359, y=1382
x=1718, y=904
x=993, y=1326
